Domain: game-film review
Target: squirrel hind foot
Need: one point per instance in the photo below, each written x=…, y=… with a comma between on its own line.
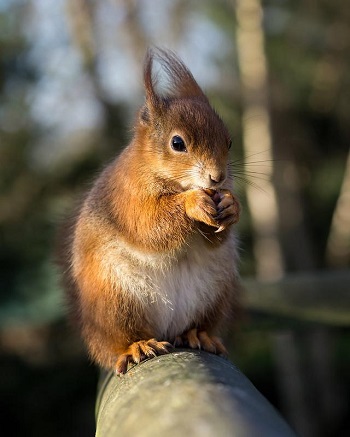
x=200, y=339
x=139, y=351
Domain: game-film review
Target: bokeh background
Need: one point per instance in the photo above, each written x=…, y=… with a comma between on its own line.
x=278, y=73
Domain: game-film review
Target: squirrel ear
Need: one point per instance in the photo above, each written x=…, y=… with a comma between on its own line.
x=153, y=100
x=181, y=82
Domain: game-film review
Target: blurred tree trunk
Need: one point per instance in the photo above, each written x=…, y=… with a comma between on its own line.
x=135, y=34
x=295, y=235
x=81, y=15
x=291, y=381
x=338, y=245
x=257, y=141
x=257, y=144
x=329, y=76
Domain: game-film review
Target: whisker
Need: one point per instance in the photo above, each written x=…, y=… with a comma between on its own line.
x=248, y=177
x=246, y=181
x=250, y=172
x=259, y=169
x=261, y=163
x=244, y=158
x=203, y=234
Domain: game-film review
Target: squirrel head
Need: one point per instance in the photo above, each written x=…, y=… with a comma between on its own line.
x=179, y=132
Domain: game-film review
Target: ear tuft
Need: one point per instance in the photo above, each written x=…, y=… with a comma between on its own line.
x=152, y=97
x=181, y=83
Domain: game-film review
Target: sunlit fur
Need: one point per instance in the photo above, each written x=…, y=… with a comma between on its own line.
x=143, y=258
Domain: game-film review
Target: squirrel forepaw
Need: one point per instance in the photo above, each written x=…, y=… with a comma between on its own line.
x=228, y=210
x=219, y=209
x=200, y=207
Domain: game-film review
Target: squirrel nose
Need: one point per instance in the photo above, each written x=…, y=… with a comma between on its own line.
x=216, y=177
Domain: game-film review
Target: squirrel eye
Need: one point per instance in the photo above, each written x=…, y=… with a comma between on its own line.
x=178, y=144
x=229, y=145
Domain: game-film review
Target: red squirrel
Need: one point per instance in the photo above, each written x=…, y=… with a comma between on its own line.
x=150, y=261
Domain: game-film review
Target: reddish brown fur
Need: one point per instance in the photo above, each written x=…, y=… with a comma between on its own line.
x=142, y=200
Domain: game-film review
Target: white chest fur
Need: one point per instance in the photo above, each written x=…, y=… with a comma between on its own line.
x=177, y=289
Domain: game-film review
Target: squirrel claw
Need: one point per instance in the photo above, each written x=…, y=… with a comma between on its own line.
x=139, y=351
x=196, y=339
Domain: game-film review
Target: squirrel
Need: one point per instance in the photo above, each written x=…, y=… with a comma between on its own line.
x=150, y=261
